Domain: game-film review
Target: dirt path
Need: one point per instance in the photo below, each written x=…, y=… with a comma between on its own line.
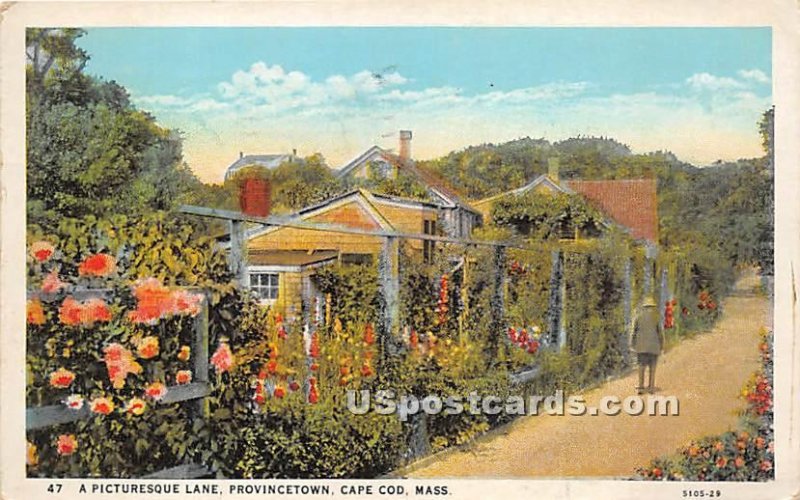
x=706, y=373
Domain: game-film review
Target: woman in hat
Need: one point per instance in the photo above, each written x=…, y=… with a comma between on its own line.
x=648, y=342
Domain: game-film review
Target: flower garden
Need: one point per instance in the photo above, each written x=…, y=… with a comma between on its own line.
x=744, y=455
x=112, y=317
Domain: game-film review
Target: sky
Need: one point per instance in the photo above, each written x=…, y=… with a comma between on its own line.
x=698, y=92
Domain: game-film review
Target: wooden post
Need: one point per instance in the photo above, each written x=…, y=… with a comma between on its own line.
x=498, y=303
x=555, y=309
x=389, y=282
x=237, y=257
x=199, y=354
x=625, y=337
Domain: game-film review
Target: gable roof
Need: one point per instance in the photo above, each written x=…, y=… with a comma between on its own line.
x=369, y=154
x=266, y=161
x=631, y=203
x=541, y=180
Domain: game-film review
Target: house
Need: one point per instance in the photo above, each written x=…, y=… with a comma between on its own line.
x=268, y=161
x=457, y=218
x=282, y=260
x=631, y=204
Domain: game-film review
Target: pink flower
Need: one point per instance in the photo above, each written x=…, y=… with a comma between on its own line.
x=51, y=283
x=42, y=250
x=156, y=390
x=74, y=402
x=222, y=358
x=66, y=444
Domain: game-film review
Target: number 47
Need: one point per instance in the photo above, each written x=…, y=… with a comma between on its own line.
x=54, y=488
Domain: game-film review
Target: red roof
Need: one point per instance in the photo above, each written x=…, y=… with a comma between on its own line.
x=631, y=203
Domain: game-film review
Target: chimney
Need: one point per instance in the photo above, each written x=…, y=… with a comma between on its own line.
x=241, y=155
x=405, y=144
x=294, y=151
x=552, y=169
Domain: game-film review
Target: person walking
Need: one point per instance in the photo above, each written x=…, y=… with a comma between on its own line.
x=648, y=343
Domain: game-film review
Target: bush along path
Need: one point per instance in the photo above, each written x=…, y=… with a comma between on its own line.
x=706, y=373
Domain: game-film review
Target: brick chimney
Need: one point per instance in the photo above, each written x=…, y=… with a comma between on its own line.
x=405, y=144
x=552, y=169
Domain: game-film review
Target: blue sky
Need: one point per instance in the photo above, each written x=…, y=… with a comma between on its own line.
x=695, y=91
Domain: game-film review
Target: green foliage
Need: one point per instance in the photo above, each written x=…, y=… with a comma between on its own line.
x=547, y=216
x=353, y=290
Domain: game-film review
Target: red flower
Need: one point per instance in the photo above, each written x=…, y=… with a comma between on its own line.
x=413, y=339
x=119, y=363
x=313, y=395
x=70, y=312
x=272, y=366
x=61, y=378
x=183, y=377
x=279, y=392
x=35, y=312
x=100, y=264
x=51, y=283
x=222, y=358
x=314, y=367
x=66, y=444
x=153, y=300
x=186, y=303
x=103, y=406
x=42, y=250
x=739, y=462
x=366, y=369
x=294, y=386
x=156, y=390
x=313, y=350
x=96, y=310
x=765, y=465
x=281, y=331
x=259, y=397
x=722, y=462
x=369, y=334
x=533, y=346
x=657, y=472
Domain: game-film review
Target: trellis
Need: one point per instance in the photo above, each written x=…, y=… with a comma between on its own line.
x=196, y=391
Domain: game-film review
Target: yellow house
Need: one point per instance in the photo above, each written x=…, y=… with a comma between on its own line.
x=282, y=260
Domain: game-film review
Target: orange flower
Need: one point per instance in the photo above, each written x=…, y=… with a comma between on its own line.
x=66, y=444
x=272, y=367
x=760, y=442
x=156, y=390
x=313, y=395
x=739, y=462
x=185, y=353
x=279, y=392
x=42, y=250
x=96, y=310
x=183, y=377
x=147, y=347
x=313, y=350
x=71, y=312
x=31, y=456
x=719, y=446
x=35, y=312
x=120, y=362
x=103, y=406
x=722, y=462
x=100, y=264
x=51, y=283
x=154, y=300
x=61, y=378
x=136, y=406
x=369, y=334
x=222, y=358
x=693, y=451
x=314, y=367
x=366, y=369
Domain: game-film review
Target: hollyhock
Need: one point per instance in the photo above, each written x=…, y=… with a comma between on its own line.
x=258, y=394
x=51, y=283
x=156, y=390
x=119, y=363
x=74, y=402
x=314, y=367
x=369, y=334
x=183, y=377
x=413, y=339
x=42, y=250
x=313, y=395
x=272, y=367
x=313, y=351
x=186, y=303
x=95, y=310
x=136, y=406
x=31, y=455
x=66, y=444
x=281, y=331
x=99, y=265
x=185, y=353
x=61, y=378
x=35, y=312
x=147, y=347
x=103, y=406
x=222, y=359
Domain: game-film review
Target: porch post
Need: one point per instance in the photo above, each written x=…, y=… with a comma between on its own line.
x=627, y=313
x=237, y=257
x=498, y=303
x=389, y=283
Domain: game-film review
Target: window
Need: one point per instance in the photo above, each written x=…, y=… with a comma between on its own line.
x=428, y=227
x=264, y=285
x=357, y=258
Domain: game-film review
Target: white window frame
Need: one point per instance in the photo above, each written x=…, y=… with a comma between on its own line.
x=256, y=289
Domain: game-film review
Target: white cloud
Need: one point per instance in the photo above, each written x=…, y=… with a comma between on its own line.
x=707, y=81
x=755, y=75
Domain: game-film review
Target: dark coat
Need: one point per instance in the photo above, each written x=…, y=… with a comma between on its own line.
x=647, y=334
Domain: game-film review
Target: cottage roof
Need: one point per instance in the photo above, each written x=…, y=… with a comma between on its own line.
x=631, y=203
x=267, y=161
